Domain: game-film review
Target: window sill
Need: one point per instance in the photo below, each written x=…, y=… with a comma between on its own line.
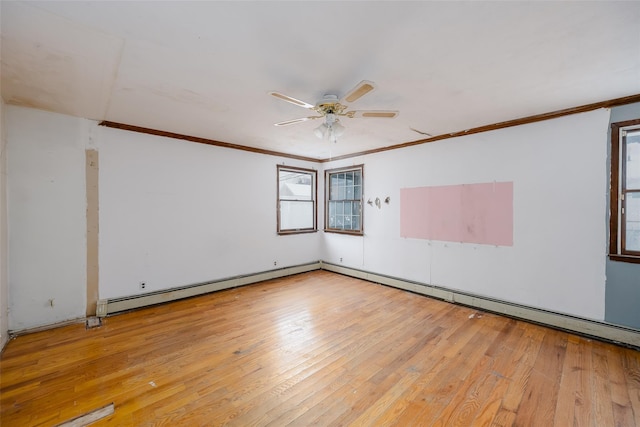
x=285, y=233
x=350, y=233
x=625, y=258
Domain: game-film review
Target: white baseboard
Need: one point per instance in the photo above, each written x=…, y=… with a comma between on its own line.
x=592, y=328
x=115, y=305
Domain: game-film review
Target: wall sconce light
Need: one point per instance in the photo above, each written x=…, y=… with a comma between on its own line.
x=387, y=200
x=378, y=202
x=369, y=202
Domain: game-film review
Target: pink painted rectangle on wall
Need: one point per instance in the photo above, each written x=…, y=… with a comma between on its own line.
x=469, y=213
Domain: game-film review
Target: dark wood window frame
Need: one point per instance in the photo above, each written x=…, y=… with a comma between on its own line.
x=617, y=247
x=327, y=200
x=314, y=193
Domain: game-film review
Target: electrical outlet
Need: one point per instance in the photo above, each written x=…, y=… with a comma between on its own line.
x=340, y=259
x=275, y=262
x=143, y=285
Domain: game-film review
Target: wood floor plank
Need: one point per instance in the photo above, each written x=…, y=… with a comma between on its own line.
x=320, y=349
x=539, y=408
x=601, y=387
x=583, y=411
x=507, y=349
x=620, y=399
x=350, y=383
x=523, y=367
x=570, y=381
x=631, y=368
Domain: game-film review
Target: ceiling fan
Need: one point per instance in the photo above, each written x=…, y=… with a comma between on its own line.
x=331, y=109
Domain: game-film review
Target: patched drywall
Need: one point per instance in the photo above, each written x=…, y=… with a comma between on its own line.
x=93, y=229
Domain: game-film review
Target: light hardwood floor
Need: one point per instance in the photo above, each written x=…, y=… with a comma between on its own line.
x=318, y=349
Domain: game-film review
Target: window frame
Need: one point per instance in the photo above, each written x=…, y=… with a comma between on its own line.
x=617, y=222
x=327, y=186
x=314, y=195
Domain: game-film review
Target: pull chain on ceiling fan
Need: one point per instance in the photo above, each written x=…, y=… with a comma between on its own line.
x=331, y=109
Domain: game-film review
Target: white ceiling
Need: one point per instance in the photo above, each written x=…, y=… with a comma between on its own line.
x=205, y=68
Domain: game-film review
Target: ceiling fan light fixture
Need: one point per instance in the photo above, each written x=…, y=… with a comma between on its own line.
x=331, y=128
x=337, y=128
x=321, y=130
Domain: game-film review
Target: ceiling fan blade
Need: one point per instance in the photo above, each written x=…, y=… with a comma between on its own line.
x=361, y=89
x=294, y=121
x=291, y=100
x=375, y=114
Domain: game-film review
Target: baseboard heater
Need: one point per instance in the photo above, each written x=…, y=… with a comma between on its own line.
x=591, y=328
x=116, y=305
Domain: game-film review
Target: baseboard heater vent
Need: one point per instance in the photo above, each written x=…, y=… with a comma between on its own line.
x=591, y=328
x=115, y=305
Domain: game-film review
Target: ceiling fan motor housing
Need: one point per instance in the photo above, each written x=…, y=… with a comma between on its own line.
x=330, y=105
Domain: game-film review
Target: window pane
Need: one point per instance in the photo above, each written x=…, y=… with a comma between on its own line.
x=344, y=200
x=349, y=192
x=355, y=217
x=632, y=222
x=349, y=179
x=333, y=189
x=334, y=179
x=632, y=160
x=347, y=208
x=295, y=185
x=296, y=215
x=332, y=214
x=297, y=209
x=347, y=222
x=357, y=192
x=339, y=215
x=355, y=222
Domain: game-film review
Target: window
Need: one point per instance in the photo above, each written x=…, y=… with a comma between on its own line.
x=343, y=201
x=624, y=235
x=297, y=192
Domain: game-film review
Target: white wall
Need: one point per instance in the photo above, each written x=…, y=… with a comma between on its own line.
x=174, y=213
x=557, y=261
x=4, y=284
x=47, y=218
